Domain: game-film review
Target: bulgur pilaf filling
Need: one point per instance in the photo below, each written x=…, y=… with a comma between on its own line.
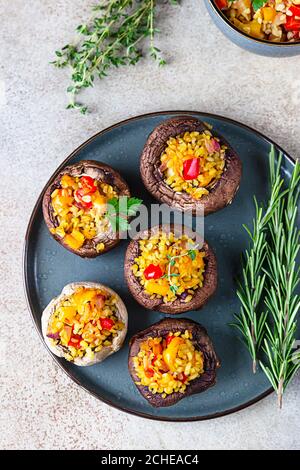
x=169, y=267
x=80, y=207
x=273, y=20
x=168, y=365
x=193, y=163
x=84, y=323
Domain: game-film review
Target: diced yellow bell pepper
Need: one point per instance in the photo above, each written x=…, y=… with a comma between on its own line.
x=160, y=287
x=67, y=313
x=99, y=203
x=78, y=235
x=68, y=182
x=89, y=234
x=255, y=29
x=61, y=200
x=83, y=296
x=170, y=353
x=269, y=13
x=75, y=240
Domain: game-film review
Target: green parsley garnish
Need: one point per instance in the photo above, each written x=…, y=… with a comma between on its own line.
x=120, y=209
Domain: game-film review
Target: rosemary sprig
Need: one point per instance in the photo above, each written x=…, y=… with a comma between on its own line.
x=109, y=39
x=251, y=320
x=281, y=300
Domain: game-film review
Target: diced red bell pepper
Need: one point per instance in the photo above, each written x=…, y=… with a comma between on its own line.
x=154, y=359
x=169, y=339
x=293, y=22
x=88, y=184
x=191, y=169
x=83, y=200
x=75, y=341
x=106, y=323
x=153, y=272
x=295, y=10
x=222, y=4
x=149, y=373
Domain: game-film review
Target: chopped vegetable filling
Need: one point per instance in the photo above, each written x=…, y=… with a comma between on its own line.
x=273, y=20
x=193, y=163
x=84, y=323
x=169, y=267
x=168, y=364
x=80, y=207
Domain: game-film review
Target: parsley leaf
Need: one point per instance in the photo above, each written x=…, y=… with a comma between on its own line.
x=257, y=4
x=133, y=205
x=119, y=210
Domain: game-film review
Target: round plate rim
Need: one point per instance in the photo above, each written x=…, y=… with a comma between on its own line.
x=25, y=264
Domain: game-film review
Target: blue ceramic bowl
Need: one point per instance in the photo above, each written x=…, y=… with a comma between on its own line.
x=258, y=46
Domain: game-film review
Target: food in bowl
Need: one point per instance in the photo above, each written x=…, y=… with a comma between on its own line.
x=85, y=324
x=186, y=165
x=170, y=269
x=272, y=20
x=172, y=359
x=75, y=207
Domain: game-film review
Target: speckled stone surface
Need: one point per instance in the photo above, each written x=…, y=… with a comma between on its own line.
x=40, y=407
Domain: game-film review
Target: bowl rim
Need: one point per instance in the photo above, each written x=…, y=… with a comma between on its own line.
x=224, y=18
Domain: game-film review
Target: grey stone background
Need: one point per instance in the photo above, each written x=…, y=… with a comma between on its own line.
x=40, y=407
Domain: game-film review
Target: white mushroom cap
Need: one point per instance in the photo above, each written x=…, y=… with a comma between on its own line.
x=106, y=351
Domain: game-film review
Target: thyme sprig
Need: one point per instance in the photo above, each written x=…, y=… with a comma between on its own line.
x=111, y=38
x=251, y=320
x=191, y=252
x=282, y=301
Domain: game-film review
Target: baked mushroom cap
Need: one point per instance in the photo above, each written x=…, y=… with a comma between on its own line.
x=222, y=192
x=100, y=172
x=202, y=294
x=201, y=342
x=106, y=351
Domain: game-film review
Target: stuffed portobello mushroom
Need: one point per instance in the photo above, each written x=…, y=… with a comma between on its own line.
x=172, y=359
x=171, y=269
x=186, y=165
x=85, y=324
x=75, y=207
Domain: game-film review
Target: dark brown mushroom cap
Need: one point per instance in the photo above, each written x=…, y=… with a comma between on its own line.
x=100, y=172
x=201, y=342
x=220, y=195
x=202, y=294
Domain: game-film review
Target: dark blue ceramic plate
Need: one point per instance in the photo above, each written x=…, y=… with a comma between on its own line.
x=258, y=46
x=48, y=267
